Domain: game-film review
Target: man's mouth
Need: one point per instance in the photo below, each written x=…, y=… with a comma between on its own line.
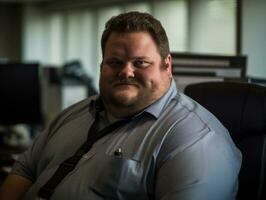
x=125, y=83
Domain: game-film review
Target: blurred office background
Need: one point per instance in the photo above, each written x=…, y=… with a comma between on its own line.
x=54, y=32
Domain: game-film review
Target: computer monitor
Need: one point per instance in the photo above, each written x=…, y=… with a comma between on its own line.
x=20, y=94
x=191, y=68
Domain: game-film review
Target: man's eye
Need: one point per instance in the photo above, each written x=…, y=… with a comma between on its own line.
x=141, y=63
x=114, y=63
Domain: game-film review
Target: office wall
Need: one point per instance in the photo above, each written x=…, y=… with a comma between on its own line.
x=254, y=37
x=10, y=34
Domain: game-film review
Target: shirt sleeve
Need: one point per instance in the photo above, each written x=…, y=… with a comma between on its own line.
x=26, y=164
x=200, y=168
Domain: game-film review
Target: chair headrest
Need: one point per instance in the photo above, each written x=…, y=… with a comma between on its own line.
x=241, y=107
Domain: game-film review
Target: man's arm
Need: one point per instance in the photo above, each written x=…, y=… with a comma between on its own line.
x=14, y=187
x=207, y=169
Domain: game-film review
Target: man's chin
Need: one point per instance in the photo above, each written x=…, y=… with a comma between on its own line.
x=124, y=99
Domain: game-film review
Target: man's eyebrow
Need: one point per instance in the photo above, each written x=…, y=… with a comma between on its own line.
x=142, y=57
x=113, y=57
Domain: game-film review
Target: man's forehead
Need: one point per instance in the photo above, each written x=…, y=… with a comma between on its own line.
x=131, y=44
x=131, y=40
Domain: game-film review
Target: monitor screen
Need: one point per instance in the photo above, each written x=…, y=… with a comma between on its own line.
x=20, y=100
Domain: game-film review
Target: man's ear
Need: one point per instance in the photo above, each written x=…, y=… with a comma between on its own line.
x=168, y=64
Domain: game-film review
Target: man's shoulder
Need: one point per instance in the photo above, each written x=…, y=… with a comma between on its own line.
x=189, y=106
x=79, y=106
x=191, y=121
x=72, y=112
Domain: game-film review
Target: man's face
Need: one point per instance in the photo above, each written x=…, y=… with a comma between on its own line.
x=133, y=75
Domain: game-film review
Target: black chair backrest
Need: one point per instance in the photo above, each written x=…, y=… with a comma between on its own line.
x=241, y=107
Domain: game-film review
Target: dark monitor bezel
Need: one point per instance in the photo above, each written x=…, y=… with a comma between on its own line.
x=23, y=105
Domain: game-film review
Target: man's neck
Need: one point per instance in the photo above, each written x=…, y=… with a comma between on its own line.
x=111, y=118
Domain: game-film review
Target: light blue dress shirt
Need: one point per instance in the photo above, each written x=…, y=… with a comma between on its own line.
x=174, y=150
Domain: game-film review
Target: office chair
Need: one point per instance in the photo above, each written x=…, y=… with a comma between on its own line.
x=241, y=107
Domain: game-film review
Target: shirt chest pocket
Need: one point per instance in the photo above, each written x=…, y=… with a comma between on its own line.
x=114, y=176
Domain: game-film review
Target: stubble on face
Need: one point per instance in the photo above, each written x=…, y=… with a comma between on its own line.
x=124, y=93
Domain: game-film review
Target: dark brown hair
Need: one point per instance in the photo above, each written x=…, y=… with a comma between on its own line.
x=137, y=22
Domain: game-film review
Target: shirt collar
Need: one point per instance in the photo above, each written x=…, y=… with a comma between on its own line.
x=158, y=106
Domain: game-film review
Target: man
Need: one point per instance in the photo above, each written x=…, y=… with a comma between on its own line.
x=146, y=140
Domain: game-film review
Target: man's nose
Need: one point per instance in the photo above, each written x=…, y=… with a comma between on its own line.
x=127, y=71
